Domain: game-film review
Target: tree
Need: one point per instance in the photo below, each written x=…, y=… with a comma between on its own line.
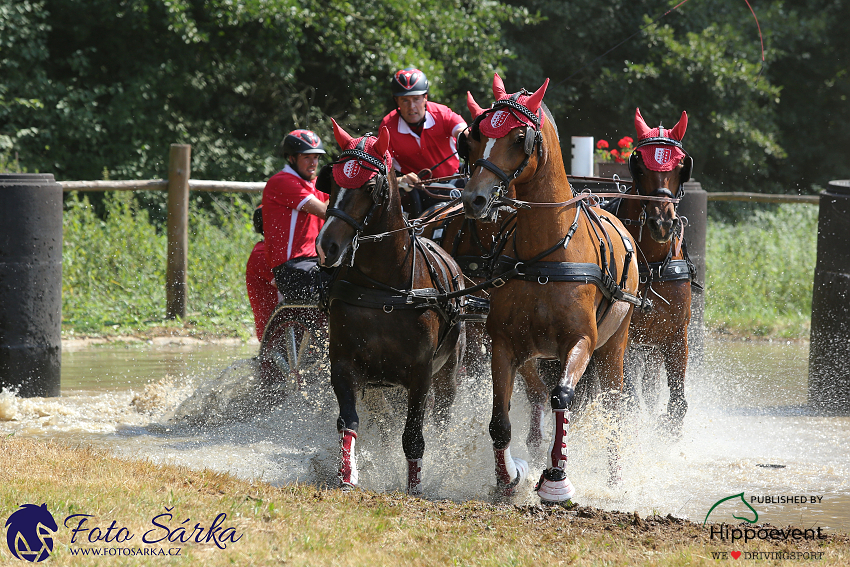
x=121, y=81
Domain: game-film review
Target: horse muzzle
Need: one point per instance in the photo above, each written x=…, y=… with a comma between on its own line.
x=477, y=203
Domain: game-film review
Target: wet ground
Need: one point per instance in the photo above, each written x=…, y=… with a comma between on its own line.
x=748, y=430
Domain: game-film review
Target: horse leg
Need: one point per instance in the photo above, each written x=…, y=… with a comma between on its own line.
x=347, y=424
x=412, y=440
x=510, y=471
x=535, y=391
x=651, y=378
x=554, y=486
x=445, y=389
x=631, y=377
x=675, y=355
x=610, y=358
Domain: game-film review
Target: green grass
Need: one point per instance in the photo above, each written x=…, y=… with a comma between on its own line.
x=759, y=272
x=113, y=272
x=759, y=280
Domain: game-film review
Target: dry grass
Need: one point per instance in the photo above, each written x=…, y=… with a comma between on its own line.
x=303, y=525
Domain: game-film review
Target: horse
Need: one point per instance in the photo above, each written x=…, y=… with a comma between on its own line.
x=387, y=323
x=567, y=291
x=660, y=167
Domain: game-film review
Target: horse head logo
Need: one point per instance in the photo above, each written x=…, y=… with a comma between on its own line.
x=30, y=532
x=741, y=496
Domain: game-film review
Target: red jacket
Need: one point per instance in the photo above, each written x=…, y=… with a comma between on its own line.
x=412, y=153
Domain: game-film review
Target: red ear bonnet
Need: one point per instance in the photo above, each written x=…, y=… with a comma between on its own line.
x=498, y=123
x=660, y=157
x=353, y=173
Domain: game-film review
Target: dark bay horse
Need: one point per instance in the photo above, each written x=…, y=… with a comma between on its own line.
x=568, y=280
x=387, y=323
x=659, y=168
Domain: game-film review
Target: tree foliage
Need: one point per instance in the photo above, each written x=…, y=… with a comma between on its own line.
x=116, y=83
x=704, y=57
x=94, y=87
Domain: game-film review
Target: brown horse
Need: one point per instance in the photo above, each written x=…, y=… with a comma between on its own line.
x=562, y=290
x=659, y=168
x=387, y=323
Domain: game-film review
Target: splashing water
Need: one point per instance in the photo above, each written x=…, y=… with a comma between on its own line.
x=747, y=408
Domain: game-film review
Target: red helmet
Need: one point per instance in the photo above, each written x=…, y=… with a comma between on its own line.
x=302, y=142
x=409, y=81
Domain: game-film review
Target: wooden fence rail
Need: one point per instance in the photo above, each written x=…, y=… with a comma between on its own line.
x=179, y=183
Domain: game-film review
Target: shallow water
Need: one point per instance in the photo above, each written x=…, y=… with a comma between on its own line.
x=747, y=430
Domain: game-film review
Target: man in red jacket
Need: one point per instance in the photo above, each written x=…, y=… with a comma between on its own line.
x=423, y=134
x=293, y=214
x=259, y=280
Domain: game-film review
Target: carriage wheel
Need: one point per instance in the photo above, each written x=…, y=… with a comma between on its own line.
x=293, y=351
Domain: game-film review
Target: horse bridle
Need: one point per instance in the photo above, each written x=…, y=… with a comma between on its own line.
x=378, y=187
x=684, y=175
x=533, y=138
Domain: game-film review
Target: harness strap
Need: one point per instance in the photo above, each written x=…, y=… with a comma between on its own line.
x=580, y=272
x=666, y=271
x=372, y=298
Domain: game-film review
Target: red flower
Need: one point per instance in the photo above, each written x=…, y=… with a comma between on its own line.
x=618, y=157
x=625, y=142
x=601, y=144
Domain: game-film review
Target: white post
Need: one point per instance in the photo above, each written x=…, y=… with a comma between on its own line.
x=582, y=160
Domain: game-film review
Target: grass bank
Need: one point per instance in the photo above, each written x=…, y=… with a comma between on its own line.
x=759, y=270
x=303, y=525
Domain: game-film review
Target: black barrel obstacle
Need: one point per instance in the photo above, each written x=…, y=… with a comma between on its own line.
x=829, y=350
x=30, y=284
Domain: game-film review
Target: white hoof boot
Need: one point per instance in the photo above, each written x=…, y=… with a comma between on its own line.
x=554, y=487
x=414, y=477
x=510, y=471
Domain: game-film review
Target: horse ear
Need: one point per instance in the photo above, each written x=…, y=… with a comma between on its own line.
x=678, y=131
x=342, y=137
x=533, y=102
x=474, y=109
x=383, y=142
x=640, y=125
x=498, y=88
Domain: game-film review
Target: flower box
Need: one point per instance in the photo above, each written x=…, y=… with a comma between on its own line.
x=613, y=162
x=609, y=169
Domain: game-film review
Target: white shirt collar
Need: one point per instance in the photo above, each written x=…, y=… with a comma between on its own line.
x=404, y=128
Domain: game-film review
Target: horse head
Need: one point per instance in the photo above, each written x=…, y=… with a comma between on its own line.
x=505, y=145
x=358, y=186
x=659, y=167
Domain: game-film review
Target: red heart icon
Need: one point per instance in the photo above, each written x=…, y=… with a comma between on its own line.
x=735, y=554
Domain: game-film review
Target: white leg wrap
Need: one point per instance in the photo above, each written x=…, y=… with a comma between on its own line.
x=554, y=486
x=509, y=470
x=348, y=463
x=414, y=477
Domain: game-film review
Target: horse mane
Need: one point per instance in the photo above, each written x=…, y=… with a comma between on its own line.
x=549, y=116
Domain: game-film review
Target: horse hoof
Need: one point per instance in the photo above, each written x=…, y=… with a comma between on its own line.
x=554, y=487
x=521, y=475
x=347, y=486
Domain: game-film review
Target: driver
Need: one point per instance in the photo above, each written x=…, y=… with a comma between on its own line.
x=423, y=134
x=293, y=214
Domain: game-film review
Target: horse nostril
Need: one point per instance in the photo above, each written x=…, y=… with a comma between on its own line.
x=479, y=201
x=333, y=249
